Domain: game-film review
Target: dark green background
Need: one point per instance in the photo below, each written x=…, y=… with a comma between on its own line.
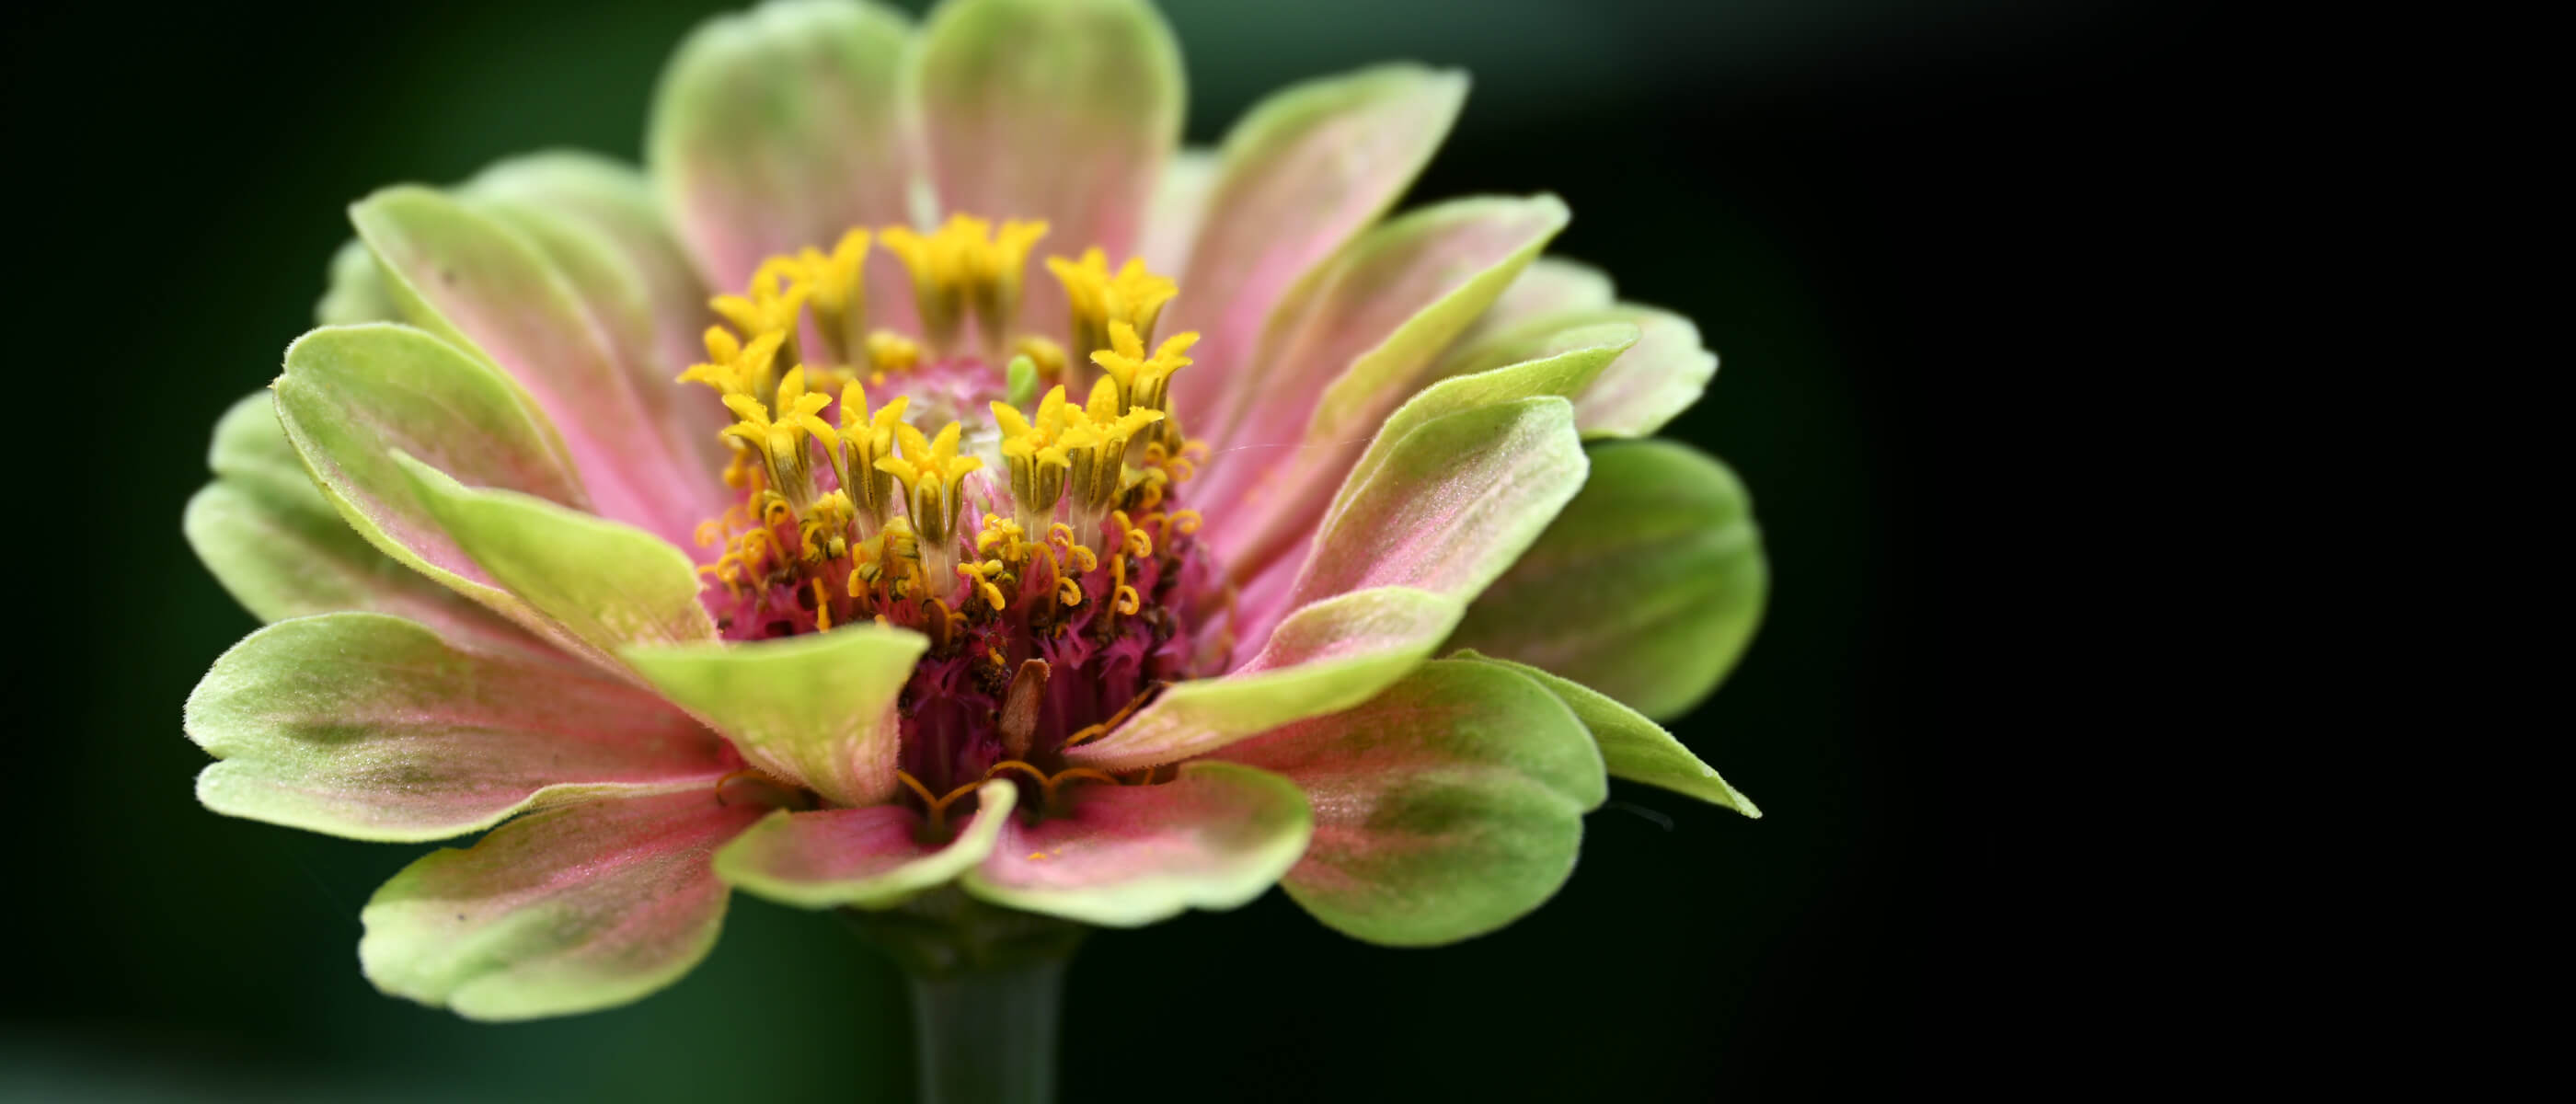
x=1830, y=189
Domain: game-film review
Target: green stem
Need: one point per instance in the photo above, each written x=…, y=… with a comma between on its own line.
x=989, y=1037
x=985, y=983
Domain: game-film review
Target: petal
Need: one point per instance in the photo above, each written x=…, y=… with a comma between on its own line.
x=868, y=858
x=1447, y=807
x=1172, y=215
x=1661, y=555
x=356, y=291
x=1562, y=364
x=280, y=549
x=351, y=394
x=1452, y=505
x=615, y=206
x=1063, y=110
x=597, y=582
x=1302, y=173
x=1663, y=375
x=817, y=710
x=1126, y=856
x=469, y=277
x=782, y=127
x=1329, y=656
x=1632, y=747
x=370, y=727
x=1345, y=349
x=597, y=222
x=1549, y=286
x=568, y=910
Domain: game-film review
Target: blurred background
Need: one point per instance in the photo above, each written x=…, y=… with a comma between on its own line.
x=1852, y=197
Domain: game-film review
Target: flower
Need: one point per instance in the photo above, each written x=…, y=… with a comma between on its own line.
x=1100, y=601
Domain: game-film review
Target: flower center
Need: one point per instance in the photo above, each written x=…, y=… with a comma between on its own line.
x=1045, y=551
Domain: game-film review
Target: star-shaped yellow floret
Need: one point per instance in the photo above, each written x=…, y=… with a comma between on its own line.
x=732, y=367
x=1133, y=296
x=777, y=294
x=1143, y=382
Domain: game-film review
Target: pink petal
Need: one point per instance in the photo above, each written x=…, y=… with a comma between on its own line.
x=1063, y=110
x=567, y=910
x=372, y=727
x=1343, y=351
x=490, y=289
x=1302, y=173
x=1124, y=856
x=868, y=858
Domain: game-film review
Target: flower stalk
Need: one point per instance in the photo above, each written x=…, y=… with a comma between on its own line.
x=986, y=985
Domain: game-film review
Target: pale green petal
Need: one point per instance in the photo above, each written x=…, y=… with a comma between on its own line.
x=1633, y=747
x=352, y=395
x=370, y=727
x=1331, y=655
x=1663, y=375
x=859, y=858
x=1062, y=110
x=1445, y=808
x=1549, y=286
x=280, y=549
x=356, y=291
x=1646, y=588
x=605, y=584
x=1126, y=856
x=782, y=127
x=817, y=710
x=571, y=909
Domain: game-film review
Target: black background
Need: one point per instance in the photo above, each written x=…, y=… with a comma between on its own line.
x=1894, y=222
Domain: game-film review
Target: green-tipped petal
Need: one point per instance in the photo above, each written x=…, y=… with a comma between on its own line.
x=1299, y=176
x=1661, y=556
x=356, y=290
x=279, y=548
x=1562, y=365
x=352, y=395
x=1331, y=655
x=816, y=710
x=370, y=727
x=469, y=276
x=1063, y=110
x=859, y=858
x=1549, y=286
x=1126, y=856
x=1633, y=747
x=1664, y=374
x=572, y=909
x=1446, y=807
x=1454, y=503
x=782, y=127
x=1350, y=345
x=612, y=207
x=602, y=583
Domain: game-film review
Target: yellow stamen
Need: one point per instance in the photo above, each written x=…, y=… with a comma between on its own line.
x=839, y=293
x=1134, y=298
x=984, y=574
x=930, y=471
x=734, y=368
x=965, y=263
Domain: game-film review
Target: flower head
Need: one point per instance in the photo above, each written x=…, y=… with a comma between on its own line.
x=948, y=583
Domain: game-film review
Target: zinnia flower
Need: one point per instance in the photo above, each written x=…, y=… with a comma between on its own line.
x=1039, y=511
